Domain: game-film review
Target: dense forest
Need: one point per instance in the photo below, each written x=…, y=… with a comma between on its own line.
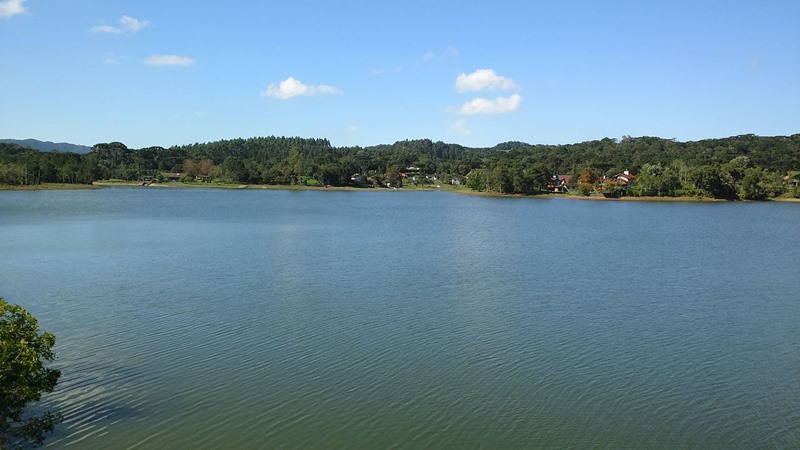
x=740, y=167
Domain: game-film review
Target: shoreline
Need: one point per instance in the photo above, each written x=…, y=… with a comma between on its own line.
x=450, y=189
x=274, y=187
x=48, y=187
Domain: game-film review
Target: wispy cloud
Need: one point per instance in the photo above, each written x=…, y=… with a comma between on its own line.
x=168, y=60
x=430, y=55
x=292, y=87
x=9, y=8
x=460, y=127
x=127, y=24
x=484, y=80
x=499, y=105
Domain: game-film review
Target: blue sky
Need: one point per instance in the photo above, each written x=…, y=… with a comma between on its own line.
x=172, y=72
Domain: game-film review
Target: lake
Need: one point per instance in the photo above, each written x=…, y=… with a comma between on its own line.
x=203, y=318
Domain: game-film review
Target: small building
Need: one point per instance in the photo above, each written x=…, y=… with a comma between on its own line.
x=624, y=179
x=171, y=176
x=615, y=186
x=561, y=183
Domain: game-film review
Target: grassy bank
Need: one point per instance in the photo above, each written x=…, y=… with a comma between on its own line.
x=191, y=185
x=45, y=187
x=118, y=183
x=599, y=197
x=299, y=187
x=275, y=187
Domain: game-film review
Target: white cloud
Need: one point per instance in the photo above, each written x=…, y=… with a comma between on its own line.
x=460, y=127
x=499, y=105
x=168, y=60
x=127, y=24
x=291, y=87
x=482, y=80
x=10, y=8
x=431, y=56
x=131, y=24
x=105, y=29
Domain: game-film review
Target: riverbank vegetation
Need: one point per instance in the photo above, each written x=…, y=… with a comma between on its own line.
x=24, y=378
x=744, y=167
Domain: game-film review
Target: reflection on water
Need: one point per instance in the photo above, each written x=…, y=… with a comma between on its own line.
x=205, y=318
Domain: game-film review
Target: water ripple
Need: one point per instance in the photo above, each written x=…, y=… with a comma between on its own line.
x=268, y=319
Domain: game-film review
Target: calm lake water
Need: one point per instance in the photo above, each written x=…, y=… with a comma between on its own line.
x=279, y=319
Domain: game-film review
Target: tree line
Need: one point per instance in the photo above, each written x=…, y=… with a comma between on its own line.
x=738, y=167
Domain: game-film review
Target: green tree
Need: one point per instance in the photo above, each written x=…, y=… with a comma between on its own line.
x=392, y=176
x=521, y=182
x=790, y=184
x=737, y=168
x=585, y=189
x=759, y=184
x=235, y=169
x=751, y=187
x=501, y=180
x=296, y=164
x=655, y=180
x=11, y=173
x=538, y=176
x=476, y=180
x=773, y=183
x=23, y=376
x=713, y=181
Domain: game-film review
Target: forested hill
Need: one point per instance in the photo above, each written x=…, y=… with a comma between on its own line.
x=779, y=153
x=47, y=146
x=507, y=167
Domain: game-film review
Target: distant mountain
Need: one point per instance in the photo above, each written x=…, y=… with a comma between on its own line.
x=47, y=146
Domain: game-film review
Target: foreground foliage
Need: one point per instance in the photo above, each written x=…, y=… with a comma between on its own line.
x=739, y=167
x=23, y=376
